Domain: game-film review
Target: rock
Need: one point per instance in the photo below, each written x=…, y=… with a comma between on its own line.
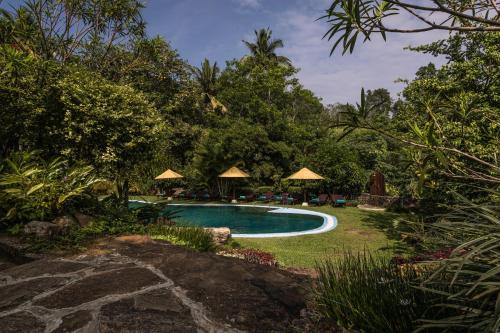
x=13, y=295
x=220, y=235
x=119, y=281
x=74, y=321
x=135, y=284
x=65, y=223
x=83, y=219
x=21, y=322
x=42, y=229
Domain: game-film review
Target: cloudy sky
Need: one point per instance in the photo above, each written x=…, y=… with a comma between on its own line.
x=214, y=29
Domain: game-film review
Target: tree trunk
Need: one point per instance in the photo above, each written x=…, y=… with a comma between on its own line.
x=122, y=189
x=125, y=193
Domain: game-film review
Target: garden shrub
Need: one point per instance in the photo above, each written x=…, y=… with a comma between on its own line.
x=370, y=293
x=32, y=188
x=264, y=189
x=196, y=238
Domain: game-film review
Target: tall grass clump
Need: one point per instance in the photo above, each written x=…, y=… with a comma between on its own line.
x=469, y=280
x=369, y=293
x=196, y=238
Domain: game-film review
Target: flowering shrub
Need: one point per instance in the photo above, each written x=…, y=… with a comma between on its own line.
x=430, y=256
x=252, y=255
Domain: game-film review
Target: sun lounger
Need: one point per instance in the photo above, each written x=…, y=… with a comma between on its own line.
x=338, y=200
x=321, y=200
x=266, y=197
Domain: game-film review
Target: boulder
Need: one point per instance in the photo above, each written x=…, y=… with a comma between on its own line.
x=65, y=222
x=42, y=229
x=220, y=235
x=83, y=219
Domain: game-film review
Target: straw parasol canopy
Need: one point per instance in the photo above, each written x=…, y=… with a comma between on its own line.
x=169, y=174
x=305, y=174
x=234, y=172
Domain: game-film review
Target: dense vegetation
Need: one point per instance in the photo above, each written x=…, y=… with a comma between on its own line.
x=90, y=102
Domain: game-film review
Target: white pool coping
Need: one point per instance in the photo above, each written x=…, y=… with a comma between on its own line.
x=329, y=221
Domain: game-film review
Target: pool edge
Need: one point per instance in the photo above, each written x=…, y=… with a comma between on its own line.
x=329, y=221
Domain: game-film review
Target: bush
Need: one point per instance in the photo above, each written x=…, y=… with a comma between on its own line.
x=196, y=238
x=31, y=188
x=468, y=268
x=370, y=293
x=264, y=189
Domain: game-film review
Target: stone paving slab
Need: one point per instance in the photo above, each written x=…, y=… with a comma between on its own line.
x=135, y=284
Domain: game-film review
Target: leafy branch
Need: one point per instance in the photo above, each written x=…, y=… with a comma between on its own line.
x=350, y=19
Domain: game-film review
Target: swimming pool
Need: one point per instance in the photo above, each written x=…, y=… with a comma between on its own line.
x=254, y=221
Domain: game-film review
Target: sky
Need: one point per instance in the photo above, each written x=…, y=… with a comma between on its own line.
x=214, y=29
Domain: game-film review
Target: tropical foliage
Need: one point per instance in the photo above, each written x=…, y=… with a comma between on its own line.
x=33, y=189
x=370, y=293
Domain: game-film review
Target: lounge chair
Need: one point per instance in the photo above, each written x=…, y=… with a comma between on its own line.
x=338, y=200
x=321, y=200
x=287, y=199
x=266, y=197
x=203, y=196
x=178, y=192
x=247, y=197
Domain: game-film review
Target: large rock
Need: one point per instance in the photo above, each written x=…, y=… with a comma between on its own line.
x=83, y=219
x=135, y=284
x=42, y=229
x=220, y=235
x=65, y=223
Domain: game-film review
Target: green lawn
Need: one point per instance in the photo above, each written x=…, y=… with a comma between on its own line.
x=356, y=230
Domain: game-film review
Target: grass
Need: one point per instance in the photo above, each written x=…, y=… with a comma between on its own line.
x=357, y=230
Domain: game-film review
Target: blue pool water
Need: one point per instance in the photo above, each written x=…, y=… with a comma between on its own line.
x=244, y=219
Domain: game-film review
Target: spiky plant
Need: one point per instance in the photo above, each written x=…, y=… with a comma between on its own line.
x=469, y=280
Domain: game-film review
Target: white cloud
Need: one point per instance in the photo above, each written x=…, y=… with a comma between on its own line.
x=248, y=3
x=375, y=64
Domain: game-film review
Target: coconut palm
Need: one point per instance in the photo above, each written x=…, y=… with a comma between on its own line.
x=207, y=76
x=265, y=47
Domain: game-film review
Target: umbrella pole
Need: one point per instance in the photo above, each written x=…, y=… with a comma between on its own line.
x=304, y=203
x=234, y=193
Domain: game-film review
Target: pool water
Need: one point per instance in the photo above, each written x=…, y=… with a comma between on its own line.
x=244, y=219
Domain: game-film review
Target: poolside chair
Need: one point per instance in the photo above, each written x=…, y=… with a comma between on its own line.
x=178, y=192
x=287, y=199
x=247, y=197
x=338, y=200
x=321, y=200
x=266, y=197
x=203, y=196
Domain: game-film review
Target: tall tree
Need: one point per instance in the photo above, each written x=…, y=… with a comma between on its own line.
x=264, y=47
x=207, y=76
x=64, y=30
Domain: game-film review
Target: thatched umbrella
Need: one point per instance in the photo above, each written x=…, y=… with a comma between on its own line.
x=305, y=174
x=169, y=175
x=234, y=173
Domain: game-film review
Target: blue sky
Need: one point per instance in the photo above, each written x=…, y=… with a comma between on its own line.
x=214, y=29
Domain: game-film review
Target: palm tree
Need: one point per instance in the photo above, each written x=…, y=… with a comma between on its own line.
x=265, y=47
x=207, y=76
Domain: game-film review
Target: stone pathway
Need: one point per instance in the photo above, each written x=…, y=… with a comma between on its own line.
x=134, y=284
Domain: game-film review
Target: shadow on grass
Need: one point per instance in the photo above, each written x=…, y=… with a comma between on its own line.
x=385, y=223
